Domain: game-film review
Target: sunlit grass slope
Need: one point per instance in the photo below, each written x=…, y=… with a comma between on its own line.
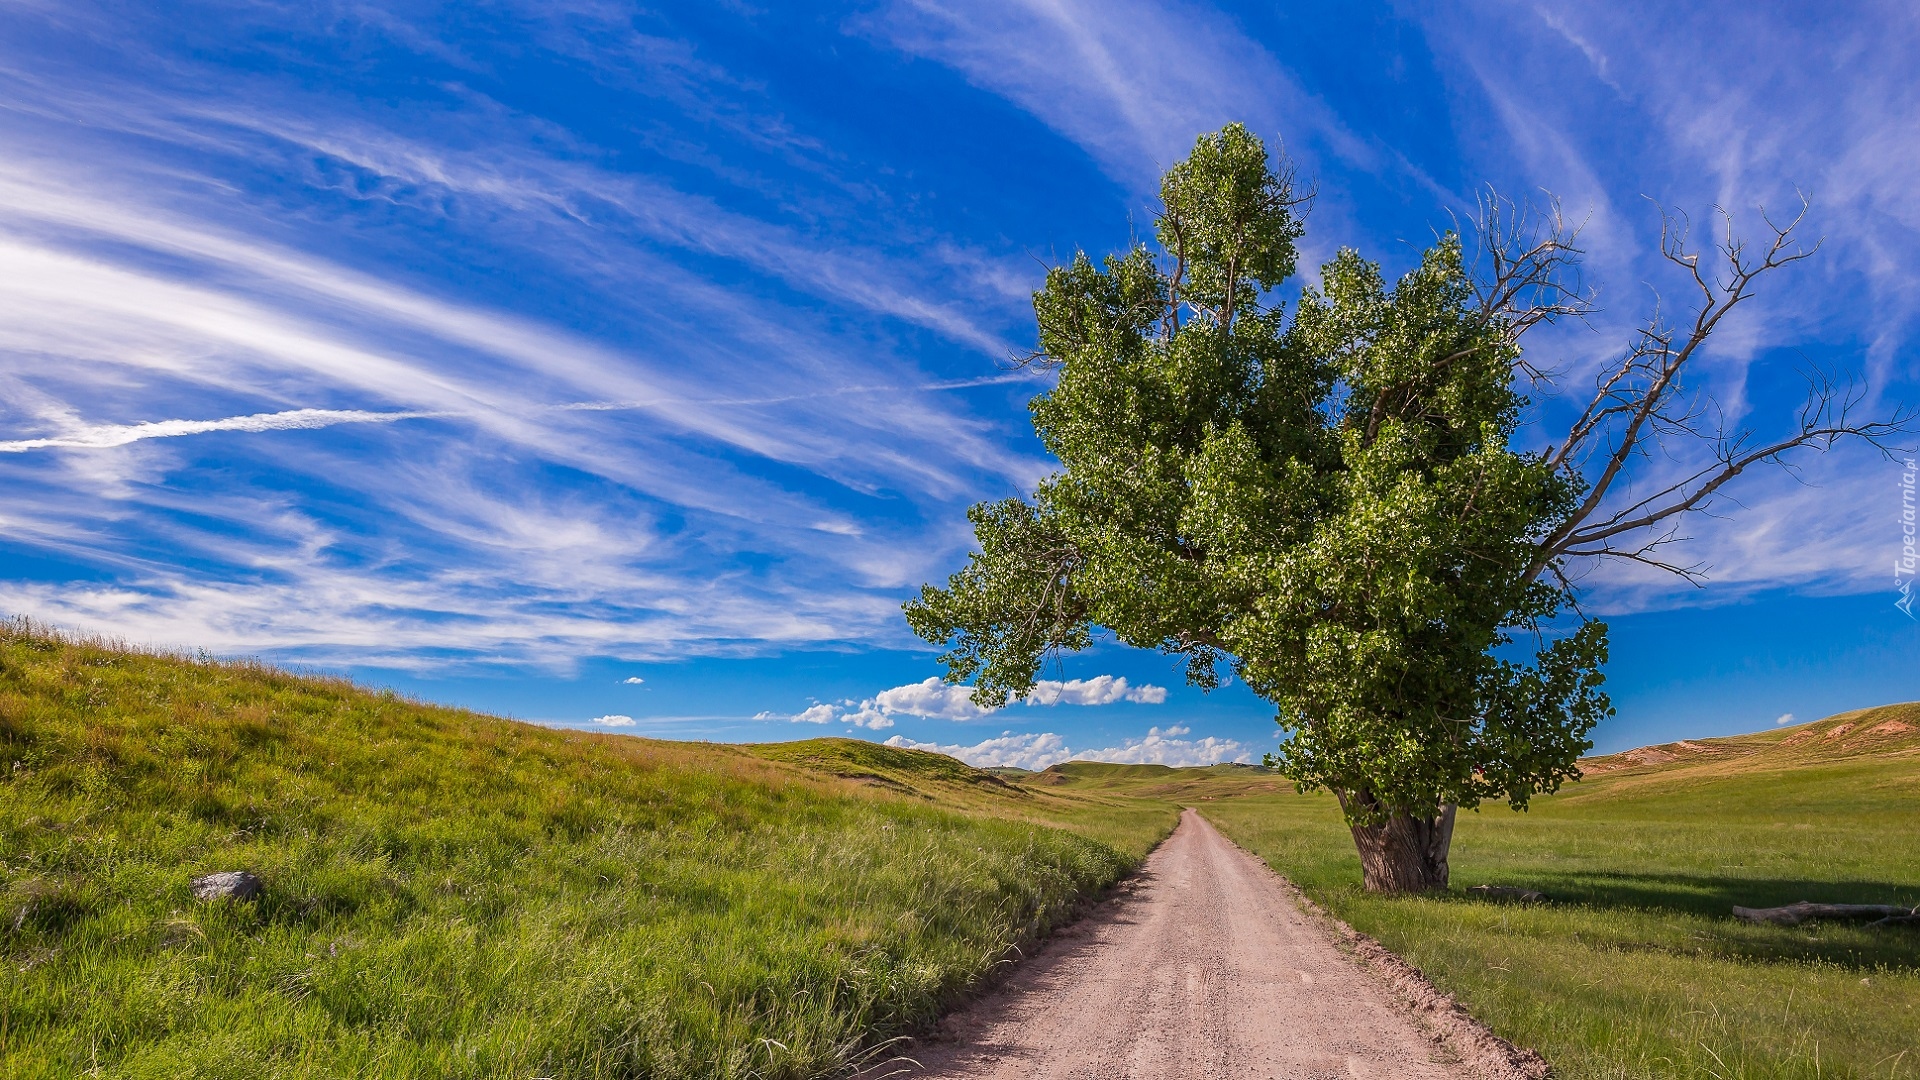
x=1637, y=968
x=453, y=895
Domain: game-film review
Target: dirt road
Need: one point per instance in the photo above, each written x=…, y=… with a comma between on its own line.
x=1206, y=968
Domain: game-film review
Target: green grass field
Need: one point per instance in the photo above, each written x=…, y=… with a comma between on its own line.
x=450, y=894
x=1636, y=968
x=453, y=895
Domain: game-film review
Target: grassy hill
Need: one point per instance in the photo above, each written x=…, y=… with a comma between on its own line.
x=453, y=895
x=1863, y=733
x=1636, y=967
x=1185, y=786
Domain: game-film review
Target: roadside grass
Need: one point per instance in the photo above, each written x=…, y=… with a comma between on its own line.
x=1636, y=968
x=454, y=895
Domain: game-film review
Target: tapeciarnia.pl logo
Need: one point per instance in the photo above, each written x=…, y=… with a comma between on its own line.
x=1904, y=566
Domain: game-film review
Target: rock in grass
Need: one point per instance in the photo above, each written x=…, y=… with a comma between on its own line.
x=235, y=885
x=1507, y=894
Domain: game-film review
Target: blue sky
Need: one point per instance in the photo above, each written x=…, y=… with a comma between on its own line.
x=510, y=353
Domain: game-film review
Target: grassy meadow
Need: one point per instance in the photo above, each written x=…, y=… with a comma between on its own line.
x=1636, y=969
x=453, y=895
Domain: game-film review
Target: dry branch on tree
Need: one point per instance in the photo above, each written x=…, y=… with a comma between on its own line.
x=1642, y=402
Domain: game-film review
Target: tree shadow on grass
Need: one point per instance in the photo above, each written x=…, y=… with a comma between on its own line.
x=1851, y=944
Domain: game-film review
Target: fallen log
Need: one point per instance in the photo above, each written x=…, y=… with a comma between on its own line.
x=1795, y=914
x=1896, y=920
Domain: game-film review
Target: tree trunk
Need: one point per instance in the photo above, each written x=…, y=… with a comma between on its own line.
x=1404, y=853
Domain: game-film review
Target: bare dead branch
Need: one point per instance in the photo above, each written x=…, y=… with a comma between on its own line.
x=1640, y=404
x=1526, y=267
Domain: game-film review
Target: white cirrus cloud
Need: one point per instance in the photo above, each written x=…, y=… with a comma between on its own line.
x=613, y=720
x=104, y=436
x=1130, y=81
x=150, y=299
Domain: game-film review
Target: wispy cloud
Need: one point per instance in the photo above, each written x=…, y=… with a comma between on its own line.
x=1133, y=82
x=146, y=283
x=102, y=436
x=710, y=381
x=1738, y=110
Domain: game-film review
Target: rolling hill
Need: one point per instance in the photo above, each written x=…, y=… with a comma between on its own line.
x=1888, y=730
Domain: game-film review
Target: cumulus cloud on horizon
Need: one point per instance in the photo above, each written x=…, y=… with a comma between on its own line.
x=1099, y=690
x=1024, y=751
x=613, y=720
x=1165, y=747
x=930, y=698
x=1038, y=750
x=817, y=714
x=933, y=699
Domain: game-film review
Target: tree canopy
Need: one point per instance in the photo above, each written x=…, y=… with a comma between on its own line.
x=1326, y=503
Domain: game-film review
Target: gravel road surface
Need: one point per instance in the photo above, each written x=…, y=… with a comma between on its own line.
x=1204, y=967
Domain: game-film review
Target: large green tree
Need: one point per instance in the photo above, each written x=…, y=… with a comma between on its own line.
x=1328, y=502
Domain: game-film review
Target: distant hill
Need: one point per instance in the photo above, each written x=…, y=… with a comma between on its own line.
x=1186, y=784
x=917, y=773
x=1102, y=770
x=1885, y=729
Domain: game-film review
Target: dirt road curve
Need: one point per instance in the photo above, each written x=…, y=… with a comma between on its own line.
x=1206, y=969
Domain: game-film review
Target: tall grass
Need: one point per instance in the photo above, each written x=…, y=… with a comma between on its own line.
x=1637, y=969
x=453, y=895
